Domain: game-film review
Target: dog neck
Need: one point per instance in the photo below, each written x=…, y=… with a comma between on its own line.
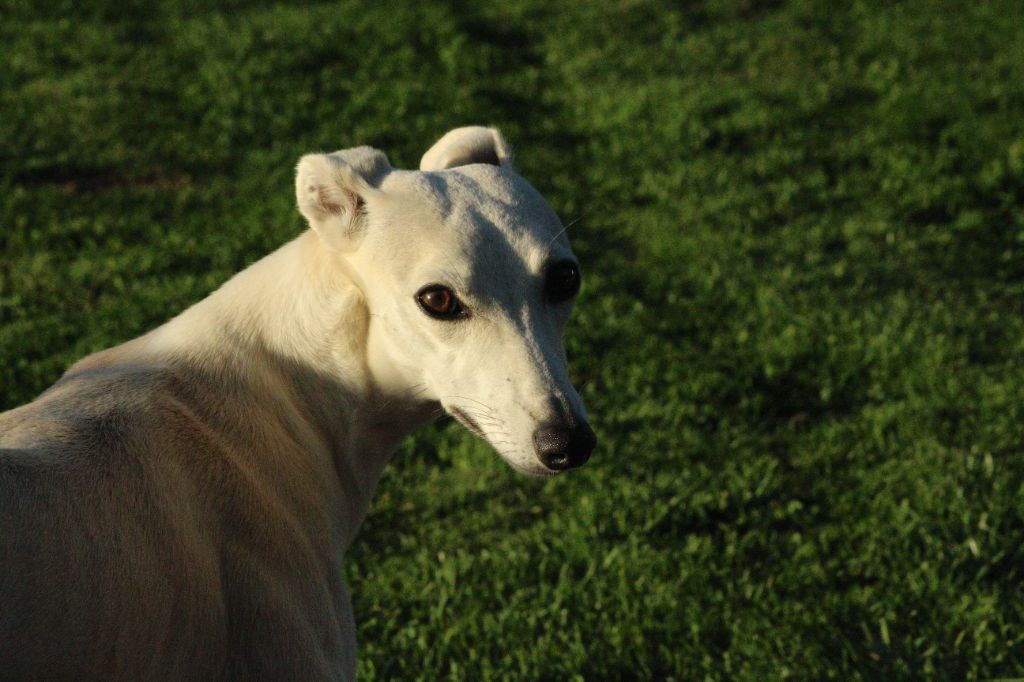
x=296, y=329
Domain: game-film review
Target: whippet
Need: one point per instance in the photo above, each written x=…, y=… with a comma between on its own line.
x=177, y=507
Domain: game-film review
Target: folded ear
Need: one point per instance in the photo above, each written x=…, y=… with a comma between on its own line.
x=463, y=146
x=332, y=189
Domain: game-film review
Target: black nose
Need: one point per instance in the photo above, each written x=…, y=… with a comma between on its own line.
x=560, y=447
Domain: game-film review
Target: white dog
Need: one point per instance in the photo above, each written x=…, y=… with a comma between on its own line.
x=178, y=507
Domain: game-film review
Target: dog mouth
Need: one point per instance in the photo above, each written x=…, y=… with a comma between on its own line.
x=473, y=427
x=467, y=421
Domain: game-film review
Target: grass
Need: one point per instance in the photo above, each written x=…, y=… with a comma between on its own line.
x=800, y=336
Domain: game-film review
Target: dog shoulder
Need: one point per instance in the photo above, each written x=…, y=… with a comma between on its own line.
x=106, y=415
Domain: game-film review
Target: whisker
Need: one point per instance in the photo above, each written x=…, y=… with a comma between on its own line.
x=462, y=397
x=487, y=420
x=484, y=418
x=547, y=249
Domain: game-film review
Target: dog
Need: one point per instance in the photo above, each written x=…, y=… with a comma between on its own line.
x=178, y=507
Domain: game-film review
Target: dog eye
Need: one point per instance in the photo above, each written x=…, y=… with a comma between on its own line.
x=562, y=281
x=440, y=302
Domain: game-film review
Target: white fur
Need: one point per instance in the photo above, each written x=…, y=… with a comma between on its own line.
x=179, y=506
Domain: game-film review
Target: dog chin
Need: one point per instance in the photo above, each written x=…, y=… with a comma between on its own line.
x=533, y=470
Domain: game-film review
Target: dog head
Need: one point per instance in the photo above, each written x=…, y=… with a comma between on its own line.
x=469, y=281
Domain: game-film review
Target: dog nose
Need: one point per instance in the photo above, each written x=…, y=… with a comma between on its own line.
x=560, y=447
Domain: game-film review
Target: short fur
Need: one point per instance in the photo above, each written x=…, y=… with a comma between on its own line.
x=177, y=507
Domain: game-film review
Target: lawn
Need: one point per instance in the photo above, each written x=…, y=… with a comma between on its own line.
x=800, y=336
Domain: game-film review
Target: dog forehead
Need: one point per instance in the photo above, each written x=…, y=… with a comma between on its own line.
x=460, y=202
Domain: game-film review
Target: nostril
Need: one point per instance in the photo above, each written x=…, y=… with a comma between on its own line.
x=552, y=445
x=561, y=448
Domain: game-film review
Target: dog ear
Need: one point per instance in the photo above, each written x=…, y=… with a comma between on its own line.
x=332, y=189
x=463, y=146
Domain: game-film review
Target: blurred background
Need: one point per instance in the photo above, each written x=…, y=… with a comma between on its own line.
x=800, y=336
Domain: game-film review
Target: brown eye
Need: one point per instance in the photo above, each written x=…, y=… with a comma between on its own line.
x=439, y=302
x=562, y=281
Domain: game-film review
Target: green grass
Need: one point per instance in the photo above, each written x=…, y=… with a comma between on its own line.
x=800, y=338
